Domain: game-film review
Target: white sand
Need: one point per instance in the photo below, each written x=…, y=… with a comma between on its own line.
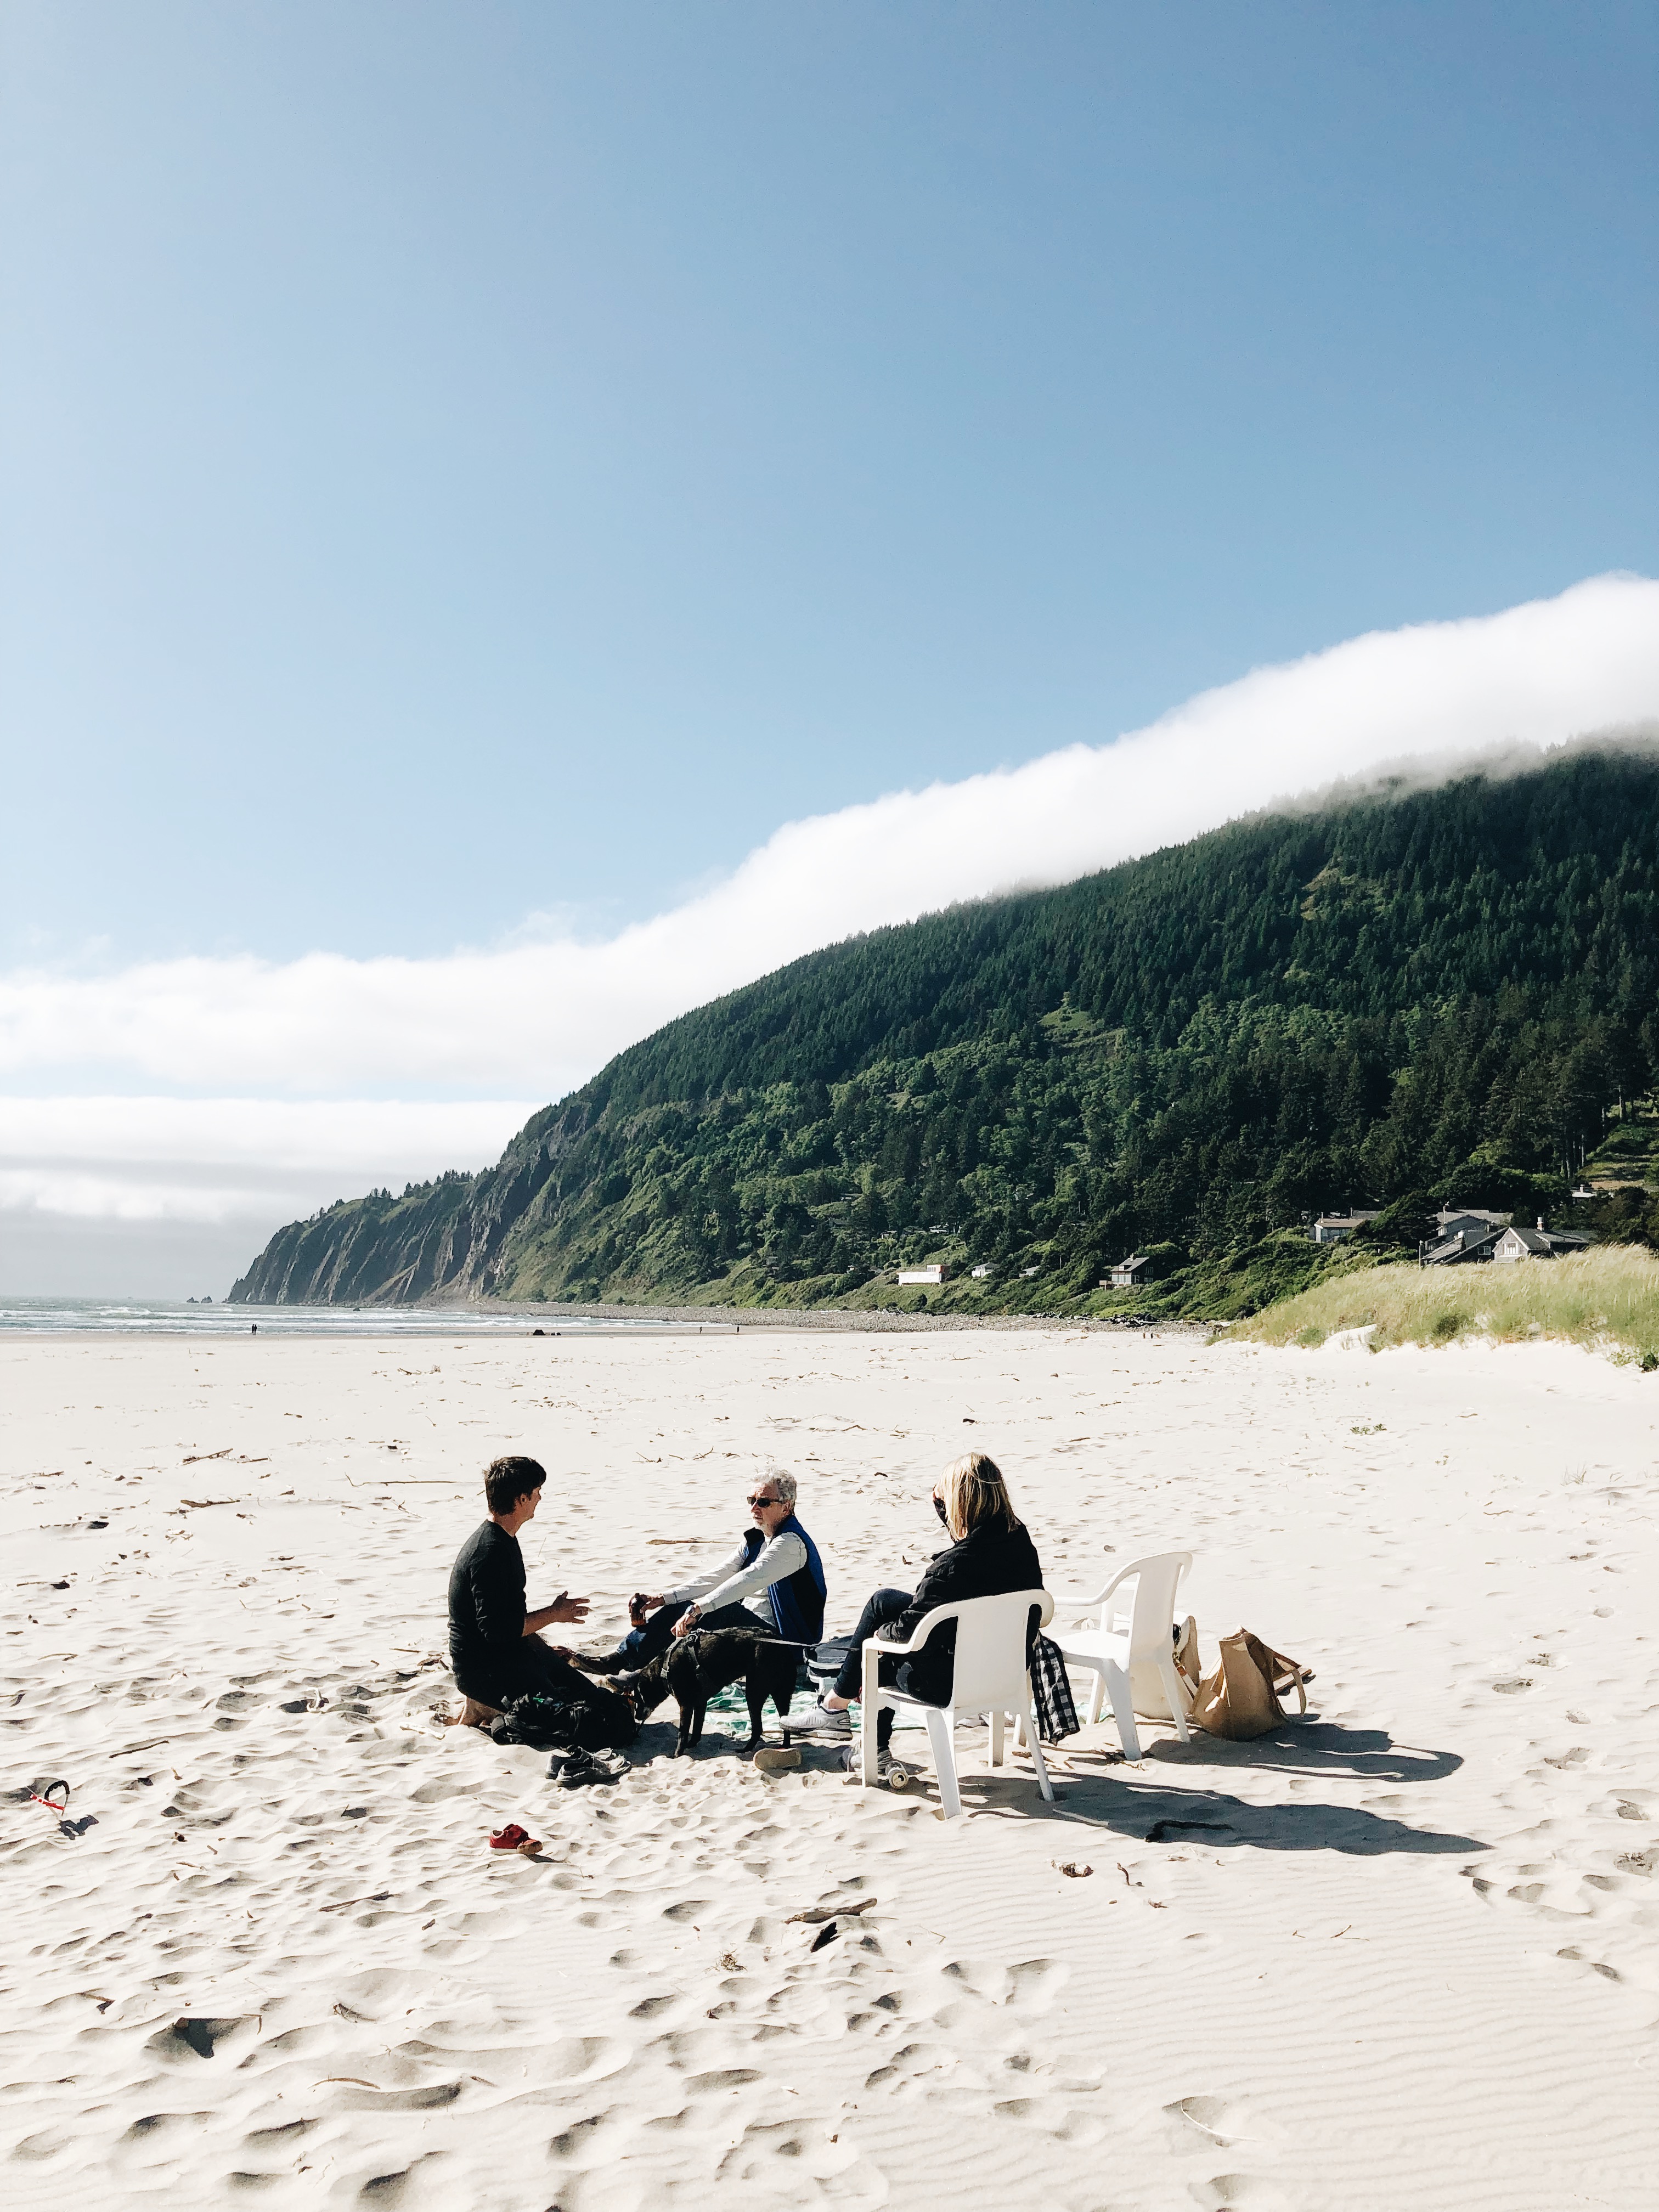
x=1418, y=1964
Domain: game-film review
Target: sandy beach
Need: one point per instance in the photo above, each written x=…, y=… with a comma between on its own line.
x=1403, y=1953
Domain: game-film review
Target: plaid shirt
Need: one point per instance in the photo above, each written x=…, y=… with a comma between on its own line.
x=1051, y=1692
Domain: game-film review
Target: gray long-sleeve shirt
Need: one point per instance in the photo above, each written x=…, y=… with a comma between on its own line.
x=747, y=1583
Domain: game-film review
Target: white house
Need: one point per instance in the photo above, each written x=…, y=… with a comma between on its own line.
x=921, y=1274
x=1521, y=1244
x=984, y=1272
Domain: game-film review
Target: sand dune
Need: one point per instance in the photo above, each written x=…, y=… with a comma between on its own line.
x=1404, y=1954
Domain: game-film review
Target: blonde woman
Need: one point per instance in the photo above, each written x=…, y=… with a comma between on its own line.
x=990, y=1551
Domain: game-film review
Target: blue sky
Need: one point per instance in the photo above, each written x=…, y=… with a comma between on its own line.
x=466, y=461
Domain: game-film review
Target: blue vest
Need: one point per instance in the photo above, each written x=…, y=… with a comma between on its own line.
x=798, y=1600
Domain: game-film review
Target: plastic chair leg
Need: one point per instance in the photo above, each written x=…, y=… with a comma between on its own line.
x=1097, y=1697
x=869, y=1711
x=939, y=1734
x=1123, y=1709
x=996, y=1738
x=1176, y=1690
x=1041, y=1766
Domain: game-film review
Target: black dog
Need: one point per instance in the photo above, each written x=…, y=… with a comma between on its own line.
x=695, y=1667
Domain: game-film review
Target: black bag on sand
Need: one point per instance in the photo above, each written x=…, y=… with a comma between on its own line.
x=598, y=1720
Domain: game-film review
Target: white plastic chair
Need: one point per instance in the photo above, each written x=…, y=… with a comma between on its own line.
x=989, y=1676
x=1107, y=1642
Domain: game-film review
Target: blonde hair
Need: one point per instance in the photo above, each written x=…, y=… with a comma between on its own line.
x=973, y=1492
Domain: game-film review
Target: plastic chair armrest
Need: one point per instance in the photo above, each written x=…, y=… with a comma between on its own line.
x=924, y=1629
x=1123, y=1575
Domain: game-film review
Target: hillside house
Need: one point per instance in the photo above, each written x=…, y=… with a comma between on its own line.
x=1471, y=1240
x=1332, y=1228
x=935, y=1274
x=1464, y=1232
x=1473, y=1220
x=1539, y=1244
x=984, y=1272
x=1128, y=1274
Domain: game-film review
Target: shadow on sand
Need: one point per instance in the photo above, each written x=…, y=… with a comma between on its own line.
x=1150, y=1804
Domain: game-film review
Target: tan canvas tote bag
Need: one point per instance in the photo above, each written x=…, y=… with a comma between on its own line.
x=1241, y=1698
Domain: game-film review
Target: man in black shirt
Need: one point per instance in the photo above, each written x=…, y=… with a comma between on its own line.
x=493, y=1646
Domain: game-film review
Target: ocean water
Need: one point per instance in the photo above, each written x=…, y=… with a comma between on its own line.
x=163, y=1317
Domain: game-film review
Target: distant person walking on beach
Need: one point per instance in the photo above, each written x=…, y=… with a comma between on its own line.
x=493, y=1645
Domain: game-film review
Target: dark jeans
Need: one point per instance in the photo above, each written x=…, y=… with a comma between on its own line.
x=883, y=1606
x=642, y=1646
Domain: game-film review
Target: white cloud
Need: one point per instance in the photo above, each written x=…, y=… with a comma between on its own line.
x=217, y=1160
x=535, y=1017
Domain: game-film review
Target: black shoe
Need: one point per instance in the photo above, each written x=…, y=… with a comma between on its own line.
x=581, y=1767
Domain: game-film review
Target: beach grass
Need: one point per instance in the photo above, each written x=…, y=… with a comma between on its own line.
x=1608, y=1297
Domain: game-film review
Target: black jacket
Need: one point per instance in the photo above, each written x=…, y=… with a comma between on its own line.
x=990, y=1559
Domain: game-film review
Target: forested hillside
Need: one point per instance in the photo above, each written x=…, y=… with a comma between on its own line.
x=1412, y=996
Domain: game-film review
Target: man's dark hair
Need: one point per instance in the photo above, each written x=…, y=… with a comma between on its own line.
x=508, y=1480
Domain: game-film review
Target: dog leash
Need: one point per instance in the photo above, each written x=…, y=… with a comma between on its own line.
x=779, y=1643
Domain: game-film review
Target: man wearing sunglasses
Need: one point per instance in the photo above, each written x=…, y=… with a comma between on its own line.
x=774, y=1582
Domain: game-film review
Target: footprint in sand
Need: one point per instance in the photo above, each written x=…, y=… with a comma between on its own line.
x=570, y=2141
x=581, y=2058
x=1035, y=1984
x=1208, y=2116
x=416, y=2183
x=1246, y=2189
x=653, y=2007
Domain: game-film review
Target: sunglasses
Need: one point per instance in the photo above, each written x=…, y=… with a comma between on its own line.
x=766, y=1501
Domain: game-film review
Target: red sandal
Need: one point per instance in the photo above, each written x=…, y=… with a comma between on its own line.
x=510, y=1838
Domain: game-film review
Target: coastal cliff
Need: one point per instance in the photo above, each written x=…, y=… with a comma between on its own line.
x=1400, y=998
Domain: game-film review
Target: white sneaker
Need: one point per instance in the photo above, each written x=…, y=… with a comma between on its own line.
x=818, y=1720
